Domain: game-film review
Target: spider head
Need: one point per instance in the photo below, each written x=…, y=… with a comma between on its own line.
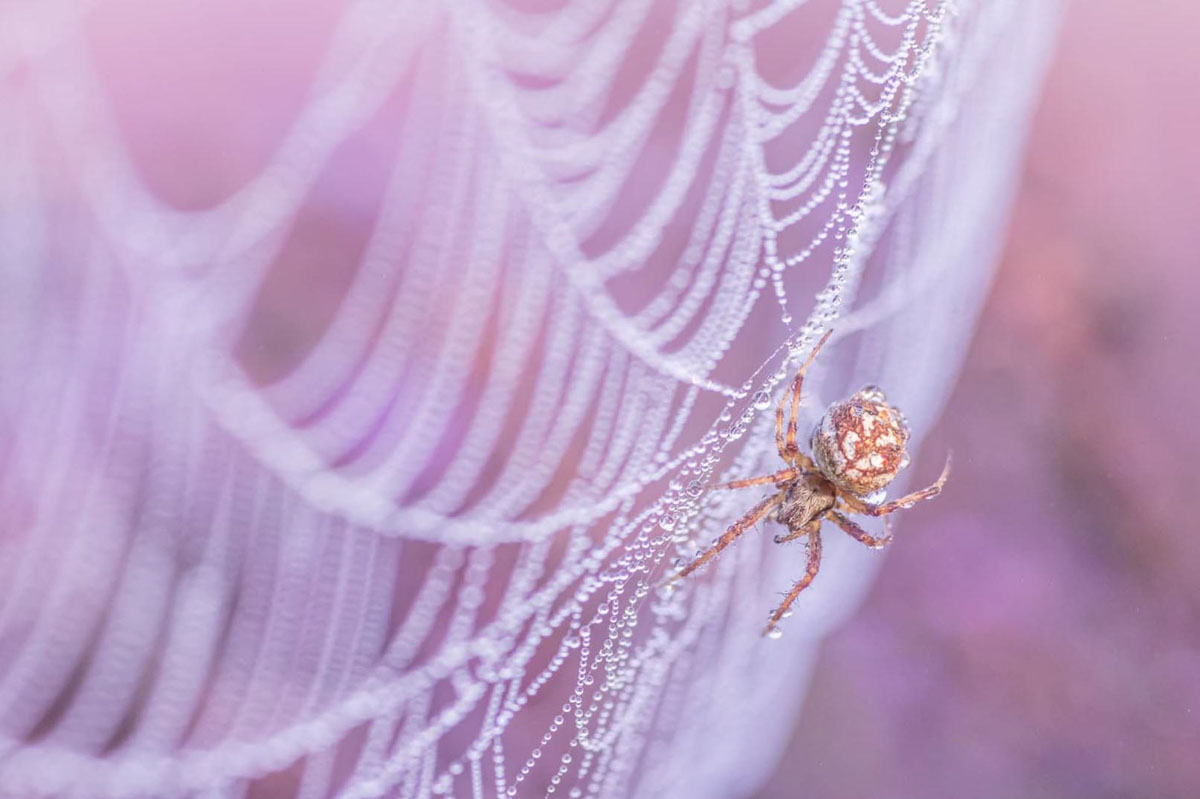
x=806, y=499
x=859, y=444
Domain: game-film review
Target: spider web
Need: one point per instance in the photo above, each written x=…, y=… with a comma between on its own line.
x=387, y=520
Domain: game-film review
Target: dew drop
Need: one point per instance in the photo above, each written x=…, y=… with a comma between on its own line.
x=775, y=634
x=762, y=400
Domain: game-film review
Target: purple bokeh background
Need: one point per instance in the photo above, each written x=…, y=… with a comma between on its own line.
x=1036, y=632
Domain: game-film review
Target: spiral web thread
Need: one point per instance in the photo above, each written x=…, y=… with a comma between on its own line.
x=417, y=556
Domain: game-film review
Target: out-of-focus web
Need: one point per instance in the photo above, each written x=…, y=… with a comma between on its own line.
x=414, y=554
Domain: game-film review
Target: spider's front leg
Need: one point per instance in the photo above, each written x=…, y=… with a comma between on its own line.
x=781, y=476
x=810, y=571
x=799, y=532
x=756, y=514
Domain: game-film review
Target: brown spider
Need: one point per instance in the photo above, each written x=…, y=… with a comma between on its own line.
x=858, y=447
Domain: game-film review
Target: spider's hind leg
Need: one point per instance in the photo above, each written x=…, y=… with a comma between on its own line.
x=862, y=535
x=908, y=500
x=787, y=445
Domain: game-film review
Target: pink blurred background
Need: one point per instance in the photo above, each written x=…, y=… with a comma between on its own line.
x=1036, y=632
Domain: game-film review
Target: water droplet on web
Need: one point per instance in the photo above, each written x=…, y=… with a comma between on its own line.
x=667, y=523
x=695, y=488
x=762, y=400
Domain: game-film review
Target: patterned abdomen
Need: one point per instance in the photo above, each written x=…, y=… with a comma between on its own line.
x=859, y=444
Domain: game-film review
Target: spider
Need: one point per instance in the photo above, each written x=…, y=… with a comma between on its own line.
x=858, y=448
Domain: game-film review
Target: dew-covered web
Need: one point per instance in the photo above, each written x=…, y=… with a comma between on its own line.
x=385, y=517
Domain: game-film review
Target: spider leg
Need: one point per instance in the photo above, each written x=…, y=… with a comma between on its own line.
x=908, y=500
x=779, y=443
x=814, y=563
x=735, y=530
x=792, y=535
x=803, y=461
x=862, y=535
x=787, y=446
x=779, y=477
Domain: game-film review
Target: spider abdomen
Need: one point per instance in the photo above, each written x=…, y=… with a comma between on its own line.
x=859, y=444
